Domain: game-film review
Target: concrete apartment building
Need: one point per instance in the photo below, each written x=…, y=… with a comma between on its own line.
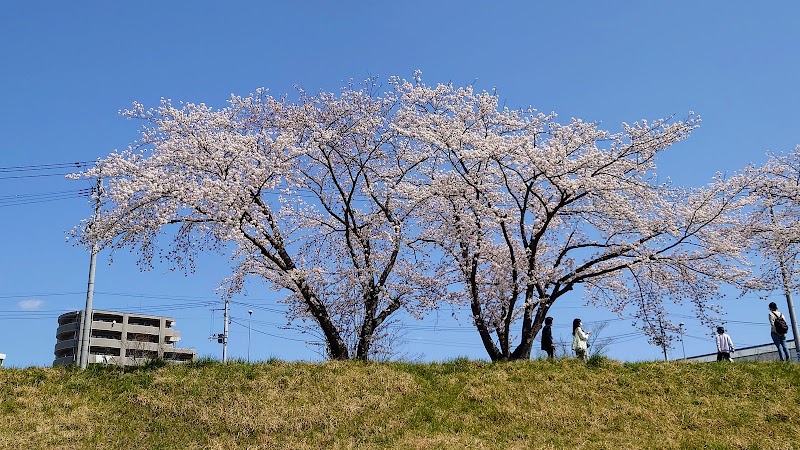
x=119, y=338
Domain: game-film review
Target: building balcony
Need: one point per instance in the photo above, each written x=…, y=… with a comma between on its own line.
x=142, y=329
x=64, y=361
x=132, y=346
x=105, y=342
x=70, y=317
x=171, y=336
x=66, y=344
x=106, y=326
x=71, y=328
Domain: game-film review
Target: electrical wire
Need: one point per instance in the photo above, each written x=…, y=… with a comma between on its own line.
x=259, y=322
x=39, y=175
x=40, y=171
x=269, y=334
x=29, y=199
x=55, y=166
x=438, y=342
x=259, y=307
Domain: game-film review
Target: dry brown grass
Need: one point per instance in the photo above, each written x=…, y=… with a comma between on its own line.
x=459, y=404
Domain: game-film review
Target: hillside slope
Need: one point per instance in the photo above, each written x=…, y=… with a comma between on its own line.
x=459, y=404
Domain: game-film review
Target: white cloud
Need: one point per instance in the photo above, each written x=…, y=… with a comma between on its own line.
x=30, y=305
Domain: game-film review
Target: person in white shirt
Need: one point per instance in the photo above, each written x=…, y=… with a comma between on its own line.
x=778, y=339
x=580, y=340
x=724, y=345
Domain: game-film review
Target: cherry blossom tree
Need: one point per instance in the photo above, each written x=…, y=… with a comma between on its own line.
x=309, y=197
x=773, y=229
x=374, y=200
x=527, y=209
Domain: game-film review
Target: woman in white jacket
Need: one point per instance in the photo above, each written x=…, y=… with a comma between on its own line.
x=580, y=340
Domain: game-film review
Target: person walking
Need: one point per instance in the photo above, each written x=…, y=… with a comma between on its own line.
x=778, y=333
x=547, y=338
x=580, y=340
x=724, y=345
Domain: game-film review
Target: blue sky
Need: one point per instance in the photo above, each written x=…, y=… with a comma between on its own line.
x=69, y=67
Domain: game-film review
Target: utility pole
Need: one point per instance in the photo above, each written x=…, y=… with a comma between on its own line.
x=249, y=322
x=86, y=320
x=662, y=339
x=790, y=305
x=223, y=337
x=682, y=347
x=225, y=333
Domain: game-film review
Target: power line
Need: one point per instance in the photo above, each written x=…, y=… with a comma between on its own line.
x=259, y=307
x=39, y=175
x=41, y=171
x=38, y=167
x=440, y=343
x=269, y=334
x=43, y=194
x=34, y=198
x=113, y=294
x=54, y=294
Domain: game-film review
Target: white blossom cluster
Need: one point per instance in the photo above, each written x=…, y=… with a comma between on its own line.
x=773, y=229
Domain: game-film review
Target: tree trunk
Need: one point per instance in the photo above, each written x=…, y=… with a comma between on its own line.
x=530, y=328
x=486, y=337
x=365, y=336
x=335, y=344
x=523, y=350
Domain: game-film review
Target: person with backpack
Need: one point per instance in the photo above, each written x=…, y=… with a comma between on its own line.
x=778, y=330
x=724, y=345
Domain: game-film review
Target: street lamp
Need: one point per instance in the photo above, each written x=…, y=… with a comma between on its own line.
x=249, y=321
x=682, y=347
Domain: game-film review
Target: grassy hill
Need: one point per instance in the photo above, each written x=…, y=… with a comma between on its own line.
x=459, y=404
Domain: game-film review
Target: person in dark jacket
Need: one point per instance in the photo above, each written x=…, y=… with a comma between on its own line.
x=547, y=337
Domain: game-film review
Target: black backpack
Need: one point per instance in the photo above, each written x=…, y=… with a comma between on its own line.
x=780, y=325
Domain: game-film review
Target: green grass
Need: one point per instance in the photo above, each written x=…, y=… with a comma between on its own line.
x=456, y=404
